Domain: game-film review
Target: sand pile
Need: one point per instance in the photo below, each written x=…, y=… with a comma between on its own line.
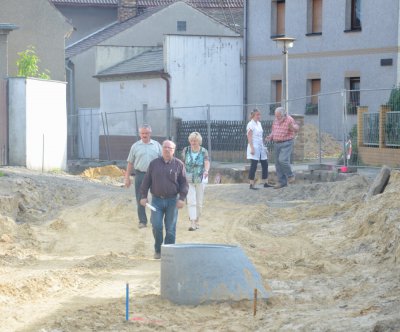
x=330, y=147
x=99, y=172
x=110, y=174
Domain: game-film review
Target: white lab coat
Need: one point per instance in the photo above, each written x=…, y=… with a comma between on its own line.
x=260, y=151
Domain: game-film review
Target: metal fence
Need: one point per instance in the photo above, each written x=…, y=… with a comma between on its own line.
x=329, y=133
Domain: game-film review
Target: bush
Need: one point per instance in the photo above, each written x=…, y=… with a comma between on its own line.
x=394, y=99
x=28, y=65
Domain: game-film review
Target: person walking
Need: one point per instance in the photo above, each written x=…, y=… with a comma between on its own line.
x=166, y=180
x=140, y=155
x=284, y=129
x=256, y=151
x=197, y=165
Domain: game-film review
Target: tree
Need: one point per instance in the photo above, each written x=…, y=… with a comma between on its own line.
x=394, y=99
x=28, y=65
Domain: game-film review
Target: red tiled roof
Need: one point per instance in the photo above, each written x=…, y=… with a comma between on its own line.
x=154, y=3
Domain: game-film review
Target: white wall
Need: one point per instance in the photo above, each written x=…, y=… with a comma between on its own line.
x=120, y=98
x=38, y=124
x=205, y=70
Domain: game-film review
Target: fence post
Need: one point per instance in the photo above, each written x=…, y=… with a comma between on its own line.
x=168, y=133
x=91, y=133
x=382, y=123
x=105, y=137
x=360, y=124
x=136, y=126
x=344, y=119
x=209, y=131
x=319, y=130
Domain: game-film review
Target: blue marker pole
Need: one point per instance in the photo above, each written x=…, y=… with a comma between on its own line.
x=127, y=303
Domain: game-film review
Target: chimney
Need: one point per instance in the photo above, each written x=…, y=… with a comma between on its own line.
x=5, y=29
x=126, y=9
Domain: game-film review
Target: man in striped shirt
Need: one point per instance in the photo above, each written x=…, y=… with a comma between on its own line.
x=284, y=129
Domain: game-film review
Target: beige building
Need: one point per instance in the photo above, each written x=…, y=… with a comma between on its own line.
x=41, y=25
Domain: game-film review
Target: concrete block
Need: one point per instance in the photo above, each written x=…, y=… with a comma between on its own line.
x=192, y=274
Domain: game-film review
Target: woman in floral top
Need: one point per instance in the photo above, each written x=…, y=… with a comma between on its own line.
x=197, y=166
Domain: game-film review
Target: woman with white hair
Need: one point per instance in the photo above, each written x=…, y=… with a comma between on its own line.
x=197, y=165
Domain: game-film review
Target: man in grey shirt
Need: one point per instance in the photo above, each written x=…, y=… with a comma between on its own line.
x=166, y=179
x=141, y=154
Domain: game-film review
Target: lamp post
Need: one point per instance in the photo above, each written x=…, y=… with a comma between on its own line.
x=285, y=43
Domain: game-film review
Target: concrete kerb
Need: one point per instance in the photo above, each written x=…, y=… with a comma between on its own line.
x=305, y=173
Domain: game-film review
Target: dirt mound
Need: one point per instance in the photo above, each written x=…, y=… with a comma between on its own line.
x=110, y=174
x=99, y=172
x=330, y=147
x=329, y=257
x=376, y=224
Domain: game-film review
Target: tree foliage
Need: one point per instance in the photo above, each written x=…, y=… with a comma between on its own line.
x=28, y=65
x=394, y=99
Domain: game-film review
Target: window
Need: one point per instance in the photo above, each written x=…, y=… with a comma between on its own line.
x=354, y=95
x=314, y=89
x=278, y=18
x=315, y=16
x=353, y=15
x=276, y=94
x=181, y=25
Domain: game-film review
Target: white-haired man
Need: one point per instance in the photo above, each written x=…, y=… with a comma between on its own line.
x=284, y=129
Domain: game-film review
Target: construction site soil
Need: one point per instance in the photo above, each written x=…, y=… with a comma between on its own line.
x=69, y=244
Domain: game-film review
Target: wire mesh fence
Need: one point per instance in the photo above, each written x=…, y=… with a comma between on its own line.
x=339, y=127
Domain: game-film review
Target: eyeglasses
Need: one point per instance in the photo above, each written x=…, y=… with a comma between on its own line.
x=168, y=148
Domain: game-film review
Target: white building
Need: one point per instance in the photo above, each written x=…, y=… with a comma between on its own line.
x=177, y=80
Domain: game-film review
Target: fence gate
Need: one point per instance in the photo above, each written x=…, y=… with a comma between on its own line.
x=3, y=123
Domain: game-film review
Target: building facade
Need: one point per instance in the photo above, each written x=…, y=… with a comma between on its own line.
x=344, y=52
x=40, y=25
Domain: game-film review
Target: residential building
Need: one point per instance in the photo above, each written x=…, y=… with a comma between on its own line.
x=339, y=45
x=163, y=81
x=40, y=25
x=123, y=40
x=88, y=16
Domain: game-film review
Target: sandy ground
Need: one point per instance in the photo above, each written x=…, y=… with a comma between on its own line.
x=68, y=245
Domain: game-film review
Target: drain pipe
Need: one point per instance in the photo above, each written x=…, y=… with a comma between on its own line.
x=166, y=77
x=71, y=96
x=244, y=61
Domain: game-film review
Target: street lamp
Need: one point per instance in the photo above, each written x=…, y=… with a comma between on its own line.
x=285, y=43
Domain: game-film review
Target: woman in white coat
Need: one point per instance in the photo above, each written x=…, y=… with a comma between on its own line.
x=256, y=151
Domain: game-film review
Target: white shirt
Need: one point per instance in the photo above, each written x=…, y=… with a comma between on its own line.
x=260, y=151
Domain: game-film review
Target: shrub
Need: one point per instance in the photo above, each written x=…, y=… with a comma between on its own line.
x=394, y=99
x=28, y=65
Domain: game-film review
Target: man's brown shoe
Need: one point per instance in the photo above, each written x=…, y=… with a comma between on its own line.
x=279, y=186
x=291, y=179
